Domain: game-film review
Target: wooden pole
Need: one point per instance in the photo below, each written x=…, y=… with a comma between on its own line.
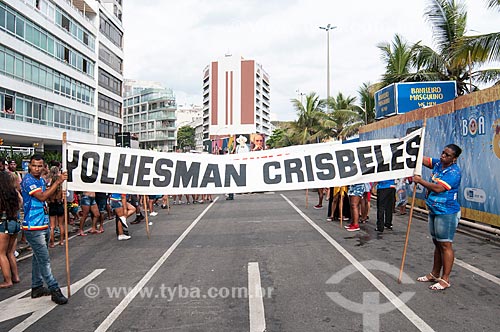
x=341, y=206
x=146, y=213
x=66, y=244
x=407, y=233
x=411, y=210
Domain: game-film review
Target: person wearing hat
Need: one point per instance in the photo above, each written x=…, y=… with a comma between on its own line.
x=242, y=147
x=11, y=167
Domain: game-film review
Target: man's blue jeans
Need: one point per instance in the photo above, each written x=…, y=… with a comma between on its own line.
x=40, y=270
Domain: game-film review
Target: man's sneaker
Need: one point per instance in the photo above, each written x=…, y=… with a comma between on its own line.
x=389, y=227
x=153, y=214
x=317, y=207
x=39, y=292
x=163, y=206
x=138, y=219
x=150, y=223
x=124, y=222
x=58, y=297
x=353, y=228
x=348, y=225
x=123, y=237
x=379, y=230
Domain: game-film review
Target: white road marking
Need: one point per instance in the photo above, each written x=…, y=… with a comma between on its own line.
x=400, y=305
x=105, y=325
x=17, y=306
x=475, y=270
x=255, y=301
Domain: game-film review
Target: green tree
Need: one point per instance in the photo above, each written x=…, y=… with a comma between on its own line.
x=345, y=116
x=494, y=4
x=367, y=100
x=281, y=137
x=185, y=138
x=399, y=57
x=312, y=122
x=456, y=56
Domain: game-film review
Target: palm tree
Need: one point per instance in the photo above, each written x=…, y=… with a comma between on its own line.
x=344, y=116
x=367, y=100
x=312, y=121
x=457, y=56
x=493, y=4
x=399, y=59
x=340, y=102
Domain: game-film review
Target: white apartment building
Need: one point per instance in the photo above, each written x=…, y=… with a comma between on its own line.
x=236, y=99
x=61, y=70
x=149, y=114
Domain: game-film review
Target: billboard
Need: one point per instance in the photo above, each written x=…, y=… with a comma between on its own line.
x=385, y=102
x=411, y=96
x=476, y=129
x=399, y=98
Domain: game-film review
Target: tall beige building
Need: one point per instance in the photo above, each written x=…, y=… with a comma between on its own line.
x=236, y=99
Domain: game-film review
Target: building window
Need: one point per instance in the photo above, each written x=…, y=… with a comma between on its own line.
x=107, y=129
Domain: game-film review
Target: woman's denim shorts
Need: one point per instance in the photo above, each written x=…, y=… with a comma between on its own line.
x=443, y=226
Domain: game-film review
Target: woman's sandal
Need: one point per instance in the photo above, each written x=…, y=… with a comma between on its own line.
x=428, y=278
x=438, y=286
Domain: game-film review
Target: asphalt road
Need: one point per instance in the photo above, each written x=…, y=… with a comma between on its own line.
x=202, y=265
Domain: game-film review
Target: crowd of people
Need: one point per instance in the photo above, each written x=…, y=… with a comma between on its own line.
x=39, y=195
x=441, y=200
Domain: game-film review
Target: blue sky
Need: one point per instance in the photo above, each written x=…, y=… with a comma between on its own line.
x=172, y=41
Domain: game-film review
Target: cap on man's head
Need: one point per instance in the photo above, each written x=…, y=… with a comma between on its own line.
x=12, y=161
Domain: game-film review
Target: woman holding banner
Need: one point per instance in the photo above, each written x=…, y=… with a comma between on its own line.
x=444, y=212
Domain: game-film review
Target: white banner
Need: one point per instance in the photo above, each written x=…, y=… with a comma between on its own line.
x=132, y=171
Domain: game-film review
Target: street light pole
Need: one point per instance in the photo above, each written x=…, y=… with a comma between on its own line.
x=328, y=28
x=366, y=113
x=300, y=94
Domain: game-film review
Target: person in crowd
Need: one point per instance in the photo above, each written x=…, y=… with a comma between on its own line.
x=135, y=201
x=386, y=196
x=402, y=198
x=102, y=202
x=355, y=193
x=258, y=143
x=56, y=207
x=73, y=206
x=365, y=203
x=122, y=210
x=321, y=194
x=336, y=196
x=2, y=165
x=88, y=204
x=10, y=204
x=444, y=212
x=12, y=167
x=36, y=224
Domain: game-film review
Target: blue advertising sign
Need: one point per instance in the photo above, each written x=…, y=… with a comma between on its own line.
x=385, y=102
x=411, y=96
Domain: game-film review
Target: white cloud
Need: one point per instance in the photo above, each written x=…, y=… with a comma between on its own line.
x=172, y=41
